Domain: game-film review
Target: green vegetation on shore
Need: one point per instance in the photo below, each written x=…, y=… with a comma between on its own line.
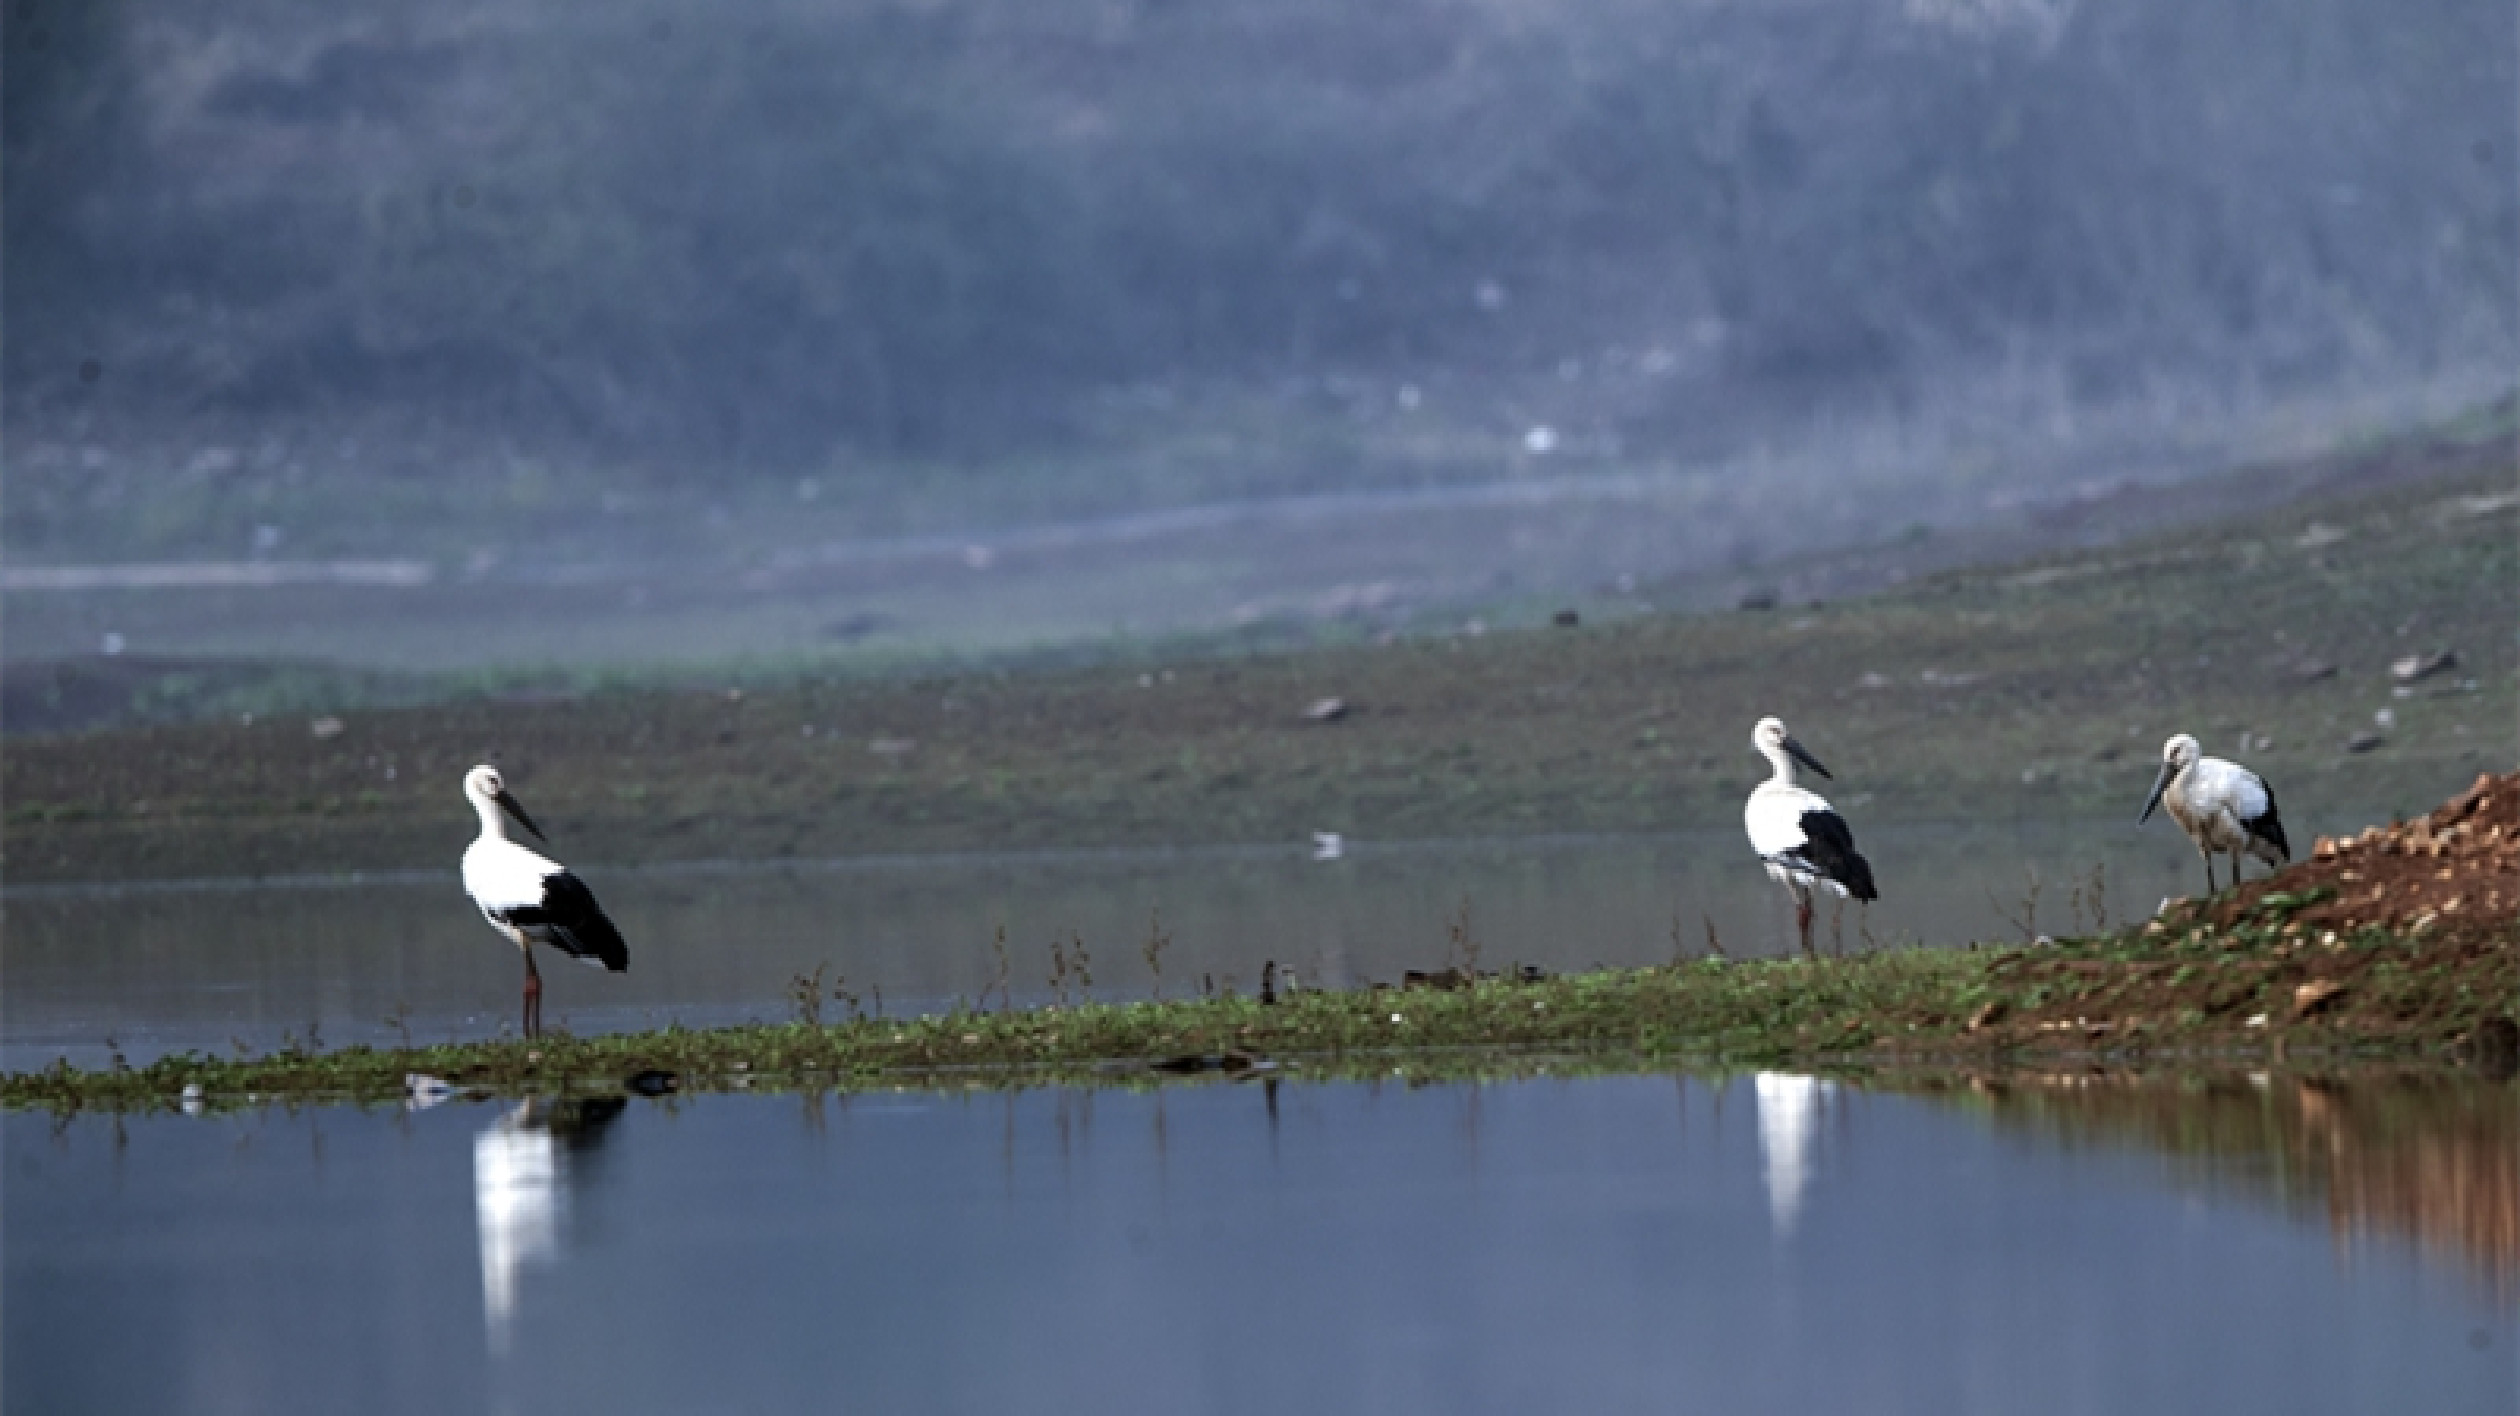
x=2181, y=987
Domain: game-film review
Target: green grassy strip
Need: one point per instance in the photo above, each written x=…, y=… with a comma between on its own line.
x=2176, y=989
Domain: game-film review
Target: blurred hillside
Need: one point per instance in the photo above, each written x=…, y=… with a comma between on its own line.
x=1059, y=254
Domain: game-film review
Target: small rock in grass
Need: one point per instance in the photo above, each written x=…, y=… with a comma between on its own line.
x=2494, y=1046
x=2415, y=668
x=2314, y=995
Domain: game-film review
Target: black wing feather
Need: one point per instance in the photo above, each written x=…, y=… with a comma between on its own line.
x=1829, y=849
x=2267, y=826
x=569, y=920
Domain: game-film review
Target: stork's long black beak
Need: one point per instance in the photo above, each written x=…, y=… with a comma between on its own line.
x=1806, y=759
x=515, y=808
x=2161, y=783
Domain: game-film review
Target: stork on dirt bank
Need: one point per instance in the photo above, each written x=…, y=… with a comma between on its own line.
x=2222, y=806
x=529, y=898
x=1803, y=840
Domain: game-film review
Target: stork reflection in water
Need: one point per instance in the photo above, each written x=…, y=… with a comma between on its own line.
x=521, y=1179
x=1789, y=1122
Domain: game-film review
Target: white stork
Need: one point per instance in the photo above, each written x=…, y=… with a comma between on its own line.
x=529, y=898
x=2222, y=806
x=1804, y=842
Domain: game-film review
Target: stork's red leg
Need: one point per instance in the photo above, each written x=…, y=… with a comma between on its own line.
x=533, y=997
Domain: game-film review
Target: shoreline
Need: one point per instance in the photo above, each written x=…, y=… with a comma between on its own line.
x=2179, y=991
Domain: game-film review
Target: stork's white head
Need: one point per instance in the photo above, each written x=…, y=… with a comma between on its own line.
x=2177, y=755
x=1769, y=737
x=489, y=794
x=483, y=783
x=1774, y=743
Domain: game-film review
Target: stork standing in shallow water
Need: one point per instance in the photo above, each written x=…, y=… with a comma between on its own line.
x=1803, y=840
x=530, y=898
x=2222, y=806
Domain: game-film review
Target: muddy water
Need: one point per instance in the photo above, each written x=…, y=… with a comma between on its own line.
x=1650, y=1243
x=215, y=964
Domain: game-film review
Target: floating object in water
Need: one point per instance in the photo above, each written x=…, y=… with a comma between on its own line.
x=422, y=1091
x=1326, y=710
x=1233, y=1062
x=1328, y=845
x=653, y=1081
x=531, y=898
x=1803, y=840
x=2222, y=806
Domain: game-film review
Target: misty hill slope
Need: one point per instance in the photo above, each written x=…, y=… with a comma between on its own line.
x=269, y=262
x=776, y=604
x=2034, y=688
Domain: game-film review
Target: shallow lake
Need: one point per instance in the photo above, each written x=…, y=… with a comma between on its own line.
x=1752, y=1244
x=210, y=965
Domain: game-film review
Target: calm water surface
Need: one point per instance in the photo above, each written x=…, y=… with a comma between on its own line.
x=209, y=965
x=1657, y=1243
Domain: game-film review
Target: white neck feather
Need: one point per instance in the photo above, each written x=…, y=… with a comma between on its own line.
x=493, y=822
